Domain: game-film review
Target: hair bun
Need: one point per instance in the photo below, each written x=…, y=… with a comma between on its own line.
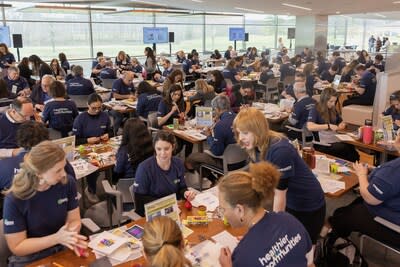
x=265, y=177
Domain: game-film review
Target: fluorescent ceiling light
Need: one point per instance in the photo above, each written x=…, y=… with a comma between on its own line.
x=396, y=2
x=249, y=10
x=380, y=15
x=296, y=6
x=149, y=3
x=198, y=1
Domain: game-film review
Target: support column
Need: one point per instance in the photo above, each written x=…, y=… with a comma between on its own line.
x=311, y=32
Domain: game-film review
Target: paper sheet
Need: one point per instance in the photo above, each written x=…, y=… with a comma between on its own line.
x=344, y=137
x=205, y=254
x=330, y=185
x=225, y=239
x=207, y=199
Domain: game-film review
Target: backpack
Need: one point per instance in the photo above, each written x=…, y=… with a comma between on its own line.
x=334, y=252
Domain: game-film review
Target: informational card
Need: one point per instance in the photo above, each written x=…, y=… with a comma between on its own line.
x=106, y=243
x=166, y=206
x=207, y=199
x=387, y=122
x=68, y=145
x=204, y=117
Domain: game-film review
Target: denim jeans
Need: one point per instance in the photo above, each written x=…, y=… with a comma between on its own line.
x=20, y=261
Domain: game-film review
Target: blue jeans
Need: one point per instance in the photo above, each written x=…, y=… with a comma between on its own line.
x=21, y=261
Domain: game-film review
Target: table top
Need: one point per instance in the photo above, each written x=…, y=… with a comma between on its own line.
x=122, y=106
x=183, y=135
x=200, y=232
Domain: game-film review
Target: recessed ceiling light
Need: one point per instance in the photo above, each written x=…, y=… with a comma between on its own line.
x=249, y=10
x=337, y=12
x=380, y=15
x=396, y=2
x=198, y=1
x=296, y=6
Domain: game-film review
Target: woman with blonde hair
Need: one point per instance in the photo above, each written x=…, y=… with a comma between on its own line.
x=163, y=244
x=204, y=93
x=241, y=198
x=41, y=212
x=298, y=191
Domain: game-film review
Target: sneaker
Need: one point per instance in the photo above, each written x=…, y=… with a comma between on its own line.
x=92, y=198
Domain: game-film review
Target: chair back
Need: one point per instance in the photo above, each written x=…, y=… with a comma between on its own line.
x=123, y=186
x=4, y=250
x=107, y=83
x=80, y=101
x=233, y=154
x=152, y=120
x=54, y=134
x=288, y=80
x=272, y=83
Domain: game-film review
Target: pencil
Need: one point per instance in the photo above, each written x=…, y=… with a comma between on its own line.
x=57, y=264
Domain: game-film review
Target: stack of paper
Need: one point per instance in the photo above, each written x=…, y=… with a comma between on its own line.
x=206, y=199
x=82, y=168
x=330, y=185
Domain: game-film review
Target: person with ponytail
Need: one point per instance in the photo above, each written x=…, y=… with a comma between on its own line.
x=41, y=212
x=298, y=191
x=273, y=238
x=163, y=244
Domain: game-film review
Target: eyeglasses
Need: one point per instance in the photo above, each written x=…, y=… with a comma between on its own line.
x=95, y=108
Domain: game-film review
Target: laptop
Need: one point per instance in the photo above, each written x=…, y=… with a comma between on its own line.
x=336, y=81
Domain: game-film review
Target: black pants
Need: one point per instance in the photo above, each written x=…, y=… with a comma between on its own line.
x=311, y=220
x=354, y=100
x=180, y=144
x=340, y=150
x=356, y=218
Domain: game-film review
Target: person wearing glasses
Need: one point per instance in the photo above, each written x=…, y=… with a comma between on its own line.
x=394, y=109
x=273, y=238
x=160, y=77
x=21, y=110
x=91, y=127
x=16, y=84
x=160, y=175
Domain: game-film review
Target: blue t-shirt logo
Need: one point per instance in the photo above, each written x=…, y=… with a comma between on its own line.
x=8, y=223
x=62, y=200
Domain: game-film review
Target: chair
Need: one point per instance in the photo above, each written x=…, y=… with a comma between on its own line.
x=387, y=224
x=107, y=83
x=54, y=134
x=233, y=154
x=123, y=186
x=304, y=134
x=289, y=80
x=113, y=206
x=270, y=88
x=4, y=250
x=80, y=101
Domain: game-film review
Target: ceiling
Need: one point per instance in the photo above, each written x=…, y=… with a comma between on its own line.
x=318, y=7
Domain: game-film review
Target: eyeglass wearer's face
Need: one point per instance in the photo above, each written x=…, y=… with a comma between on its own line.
x=94, y=108
x=228, y=212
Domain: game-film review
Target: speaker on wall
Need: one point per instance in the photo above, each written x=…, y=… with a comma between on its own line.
x=17, y=40
x=171, y=37
x=291, y=33
x=246, y=37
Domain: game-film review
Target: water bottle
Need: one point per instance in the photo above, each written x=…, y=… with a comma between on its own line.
x=367, y=133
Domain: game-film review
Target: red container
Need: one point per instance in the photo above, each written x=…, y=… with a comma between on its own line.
x=367, y=132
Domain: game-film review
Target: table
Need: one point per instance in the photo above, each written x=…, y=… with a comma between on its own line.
x=122, y=106
x=68, y=258
x=182, y=134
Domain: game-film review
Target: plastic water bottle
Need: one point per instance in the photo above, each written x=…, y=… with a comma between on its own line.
x=367, y=134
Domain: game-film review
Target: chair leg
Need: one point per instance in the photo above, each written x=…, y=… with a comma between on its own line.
x=362, y=238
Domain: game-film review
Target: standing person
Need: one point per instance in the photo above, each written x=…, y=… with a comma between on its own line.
x=42, y=182
x=378, y=44
x=64, y=62
x=136, y=146
x=371, y=44
x=161, y=175
x=7, y=59
x=281, y=45
x=39, y=67
x=298, y=191
x=273, y=238
x=324, y=121
x=150, y=64
x=59, y=113
x=163, y=243
x=92, y=127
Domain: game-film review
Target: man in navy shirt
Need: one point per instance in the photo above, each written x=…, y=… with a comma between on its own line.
x=108, y=72
x=40, y=92
x=338, y=61
x=301, y=108
x=79, y=85
x=366, y=89
x=21, y=110
x=16, y=84
x=218, y=137
x=286, y=69
x=329, y=75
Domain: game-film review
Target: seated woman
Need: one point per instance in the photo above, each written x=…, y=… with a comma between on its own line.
x=59, y=113
x=58, y=71
x=204, y=93
x=148, y=99
x=348, y=71
x=217, y=81
x=176, y=77
x=160, y=175
x=136, y=146
x=298, y=191
x=163, y=243
x=380, y=196
x=241, y=197
x=123, y=61
x=394, y=109
x=324, y=121
x=41, y=212
x=231, y=72
x=92, y=127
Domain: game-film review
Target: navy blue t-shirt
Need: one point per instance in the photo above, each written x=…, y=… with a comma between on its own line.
x=395, y=115
x=86, y=125
x=147, y=103
x=167, y=72
x=304, y=192
x=123, y=165
x=60, y=114
x=163, y=110
x=368, y=82
x=278, y=239
x=20, y=84
x=187, y=65
x=286, y=70
x=44, y=213
x=326, y=76
x=300, y=111
x=8, y=132
x=223, y=134
x=230, y=74
x=79, y=86
x=340, y=63
x=9, y=167
x=108, y=73
x=152, y=181
x=315, y=116
x=7, y=58
x=121, y=88
x=384, y=185
x=266, y=75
